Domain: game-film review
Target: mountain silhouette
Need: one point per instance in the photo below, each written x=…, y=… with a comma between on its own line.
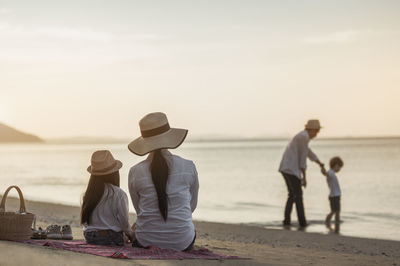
x=9, y=134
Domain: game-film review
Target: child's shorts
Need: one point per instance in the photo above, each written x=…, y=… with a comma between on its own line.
x=335, y=203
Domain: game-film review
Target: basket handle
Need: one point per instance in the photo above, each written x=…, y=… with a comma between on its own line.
x=21, y=200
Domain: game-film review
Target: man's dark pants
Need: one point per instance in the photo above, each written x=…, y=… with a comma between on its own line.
x=295, y=195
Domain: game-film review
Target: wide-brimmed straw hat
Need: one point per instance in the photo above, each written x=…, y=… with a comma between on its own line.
x=156, y=134
x=103, y=163
x=313, y=124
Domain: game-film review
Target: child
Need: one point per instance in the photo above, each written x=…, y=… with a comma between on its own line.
x=335, y=164
x=104, y=214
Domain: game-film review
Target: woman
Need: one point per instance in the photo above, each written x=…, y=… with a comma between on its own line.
x=163, y=188
x=105, y=207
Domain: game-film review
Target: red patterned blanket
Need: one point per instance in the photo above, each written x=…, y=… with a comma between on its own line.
x=128, y=252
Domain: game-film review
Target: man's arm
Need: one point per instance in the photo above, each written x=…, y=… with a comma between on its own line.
x=313, y=157
x=304, y=179
x=302, y=152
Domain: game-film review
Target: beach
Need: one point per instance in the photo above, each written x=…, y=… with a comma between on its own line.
x=261, y=246
x=273, y=127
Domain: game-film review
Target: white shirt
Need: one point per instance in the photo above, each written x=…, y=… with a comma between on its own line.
x=177, y=232
x=295, y=156
x=333, y=183
x=111, y=212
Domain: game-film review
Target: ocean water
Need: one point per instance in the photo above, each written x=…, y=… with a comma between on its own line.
x=239, y=181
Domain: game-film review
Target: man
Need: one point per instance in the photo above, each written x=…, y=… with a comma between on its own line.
x=293, y=168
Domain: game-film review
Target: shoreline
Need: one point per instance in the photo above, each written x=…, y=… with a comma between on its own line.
x=274, y=225
x=262, y=246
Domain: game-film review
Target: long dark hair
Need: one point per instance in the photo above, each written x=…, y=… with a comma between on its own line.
x=94, y=193
x=159, y=174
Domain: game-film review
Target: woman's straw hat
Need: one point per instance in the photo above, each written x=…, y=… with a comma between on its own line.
x=156, y=134
x=313, y=124
x=103, y=163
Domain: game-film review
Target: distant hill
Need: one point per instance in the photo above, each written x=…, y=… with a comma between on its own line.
x=9, y=134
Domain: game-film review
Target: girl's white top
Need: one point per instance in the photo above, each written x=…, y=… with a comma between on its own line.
x=111, y=213
x=333, y=183
x=177, y=232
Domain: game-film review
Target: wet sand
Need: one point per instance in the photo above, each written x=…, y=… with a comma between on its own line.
x=262, y=246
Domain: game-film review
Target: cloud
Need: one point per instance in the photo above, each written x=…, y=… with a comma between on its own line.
x=4, y=11
x=334, y=37
x=145, y=37
x=348, y=36
x=71, y=44
x=54, y=32
x=74, y=34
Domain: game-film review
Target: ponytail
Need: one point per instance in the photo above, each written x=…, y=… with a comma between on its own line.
x=159, y=174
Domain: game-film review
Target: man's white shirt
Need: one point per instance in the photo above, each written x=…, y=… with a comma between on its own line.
x=296, y=153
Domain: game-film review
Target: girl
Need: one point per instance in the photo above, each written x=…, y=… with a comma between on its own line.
x=104, y=213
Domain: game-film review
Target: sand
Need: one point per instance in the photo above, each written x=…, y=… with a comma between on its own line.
x=262, y=246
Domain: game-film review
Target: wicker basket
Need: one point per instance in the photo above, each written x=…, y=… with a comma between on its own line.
x=15, y=225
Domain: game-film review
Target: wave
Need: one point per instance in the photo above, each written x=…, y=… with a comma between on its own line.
x=381, y=215
x=255, y=205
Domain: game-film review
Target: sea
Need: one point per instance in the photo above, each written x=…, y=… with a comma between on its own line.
x=239, y=180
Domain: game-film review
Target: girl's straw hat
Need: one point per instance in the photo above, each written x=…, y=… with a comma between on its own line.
x=103, y=163
x=156, y=134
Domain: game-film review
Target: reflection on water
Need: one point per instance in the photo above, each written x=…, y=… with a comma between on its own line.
x=239, y=182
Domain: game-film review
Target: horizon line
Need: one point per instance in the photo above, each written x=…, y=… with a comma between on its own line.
x=82, y=140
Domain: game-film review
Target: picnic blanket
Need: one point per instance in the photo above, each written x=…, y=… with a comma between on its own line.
x=129, y=252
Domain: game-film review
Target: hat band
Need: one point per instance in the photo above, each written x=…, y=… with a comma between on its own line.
x=155, y=131
x=105, y=169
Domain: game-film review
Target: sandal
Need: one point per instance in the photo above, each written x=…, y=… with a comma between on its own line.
x=38, y=234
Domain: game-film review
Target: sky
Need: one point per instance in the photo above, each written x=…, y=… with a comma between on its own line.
x=219, y=68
